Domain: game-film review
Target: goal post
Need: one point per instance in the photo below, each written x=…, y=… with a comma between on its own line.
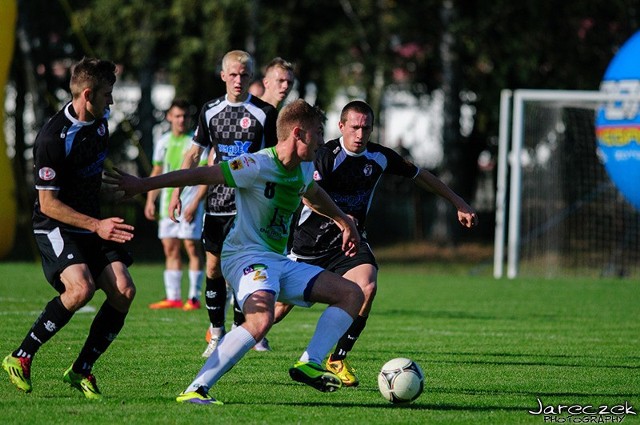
x=557, y=211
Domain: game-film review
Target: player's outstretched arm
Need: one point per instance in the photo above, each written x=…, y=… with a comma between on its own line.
x=467, y=216
x=319, y=201
x=132, y=185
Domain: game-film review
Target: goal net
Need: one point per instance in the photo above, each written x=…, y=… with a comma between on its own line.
x=557, y=210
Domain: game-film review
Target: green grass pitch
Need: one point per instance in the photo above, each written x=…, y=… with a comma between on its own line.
x=489, y=350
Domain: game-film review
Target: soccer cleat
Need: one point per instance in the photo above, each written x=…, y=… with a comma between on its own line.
x=198, y=396
x=19, y=370
x=345, y=372
x=161, y=305
x=85, y=383
x=192, y=304
x=262, y=345
x=315, y=376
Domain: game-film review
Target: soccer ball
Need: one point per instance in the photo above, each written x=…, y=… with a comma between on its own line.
x=400, y=380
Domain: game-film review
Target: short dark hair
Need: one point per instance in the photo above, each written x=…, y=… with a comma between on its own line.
x=358, y=106
x=180, y=103
x=92, y=73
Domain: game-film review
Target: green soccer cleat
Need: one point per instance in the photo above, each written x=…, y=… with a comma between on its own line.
x=315, y=376
x=86, y=384
x=198, y=396
x=19, y=370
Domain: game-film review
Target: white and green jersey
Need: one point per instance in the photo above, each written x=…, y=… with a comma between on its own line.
x=267, y=195
x=169, y=151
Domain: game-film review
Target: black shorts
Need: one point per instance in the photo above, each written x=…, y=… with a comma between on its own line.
x=214, y=230
x=60, y=250
x=339, y=263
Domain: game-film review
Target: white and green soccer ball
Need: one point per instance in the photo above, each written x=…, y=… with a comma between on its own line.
x=401, y=380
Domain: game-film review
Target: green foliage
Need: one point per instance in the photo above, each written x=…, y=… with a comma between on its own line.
x=489, y=349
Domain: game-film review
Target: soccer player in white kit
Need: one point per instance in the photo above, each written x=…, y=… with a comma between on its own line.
x=269, y=187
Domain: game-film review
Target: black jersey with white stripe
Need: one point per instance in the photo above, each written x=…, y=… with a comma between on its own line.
x=350, y=180
x=232, y=129
x=68, y=157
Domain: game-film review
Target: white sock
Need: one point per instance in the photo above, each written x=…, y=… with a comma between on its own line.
x=195, y=284
x=172, y=283
x=332, y=324
x=229, y=351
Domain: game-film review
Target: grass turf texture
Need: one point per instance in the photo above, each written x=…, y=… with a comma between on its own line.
x=489, y=349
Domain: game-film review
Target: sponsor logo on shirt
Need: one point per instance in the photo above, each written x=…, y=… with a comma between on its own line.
x=236, y=164
x=237, y=148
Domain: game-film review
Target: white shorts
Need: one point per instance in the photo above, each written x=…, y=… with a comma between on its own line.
x=182, y=230
x=289, y=281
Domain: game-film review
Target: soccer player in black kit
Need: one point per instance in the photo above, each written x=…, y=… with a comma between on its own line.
x=80, y=251
x=349, y=169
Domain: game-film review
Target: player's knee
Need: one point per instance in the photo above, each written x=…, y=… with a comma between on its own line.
x=129, y=293
x=78, y=295
x=354, y=295
x=122, y=299
x=258, y=325
x=369, y=290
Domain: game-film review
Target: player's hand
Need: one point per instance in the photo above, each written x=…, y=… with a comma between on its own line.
x=115, y=229
x=123, y=182
x=175, y=206
x=189, y=212
x=350, y=238
x=150, y=211
x=467, y=217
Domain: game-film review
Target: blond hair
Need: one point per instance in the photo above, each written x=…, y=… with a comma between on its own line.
x=239, y=56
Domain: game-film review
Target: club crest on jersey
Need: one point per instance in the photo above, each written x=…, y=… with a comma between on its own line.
x=317, y=176
x=46, y=173
x=245, y=122
x=236, y=164
x=368, y=170
x=102, y=130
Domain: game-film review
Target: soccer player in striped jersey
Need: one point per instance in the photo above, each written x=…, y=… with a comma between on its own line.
x=229, y=126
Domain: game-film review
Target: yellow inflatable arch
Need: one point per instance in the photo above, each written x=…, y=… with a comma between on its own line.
x=8, y=208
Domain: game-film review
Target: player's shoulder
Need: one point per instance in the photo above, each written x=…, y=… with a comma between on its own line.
x=163, y=138
x=214, y=103
x=247, y=164
x=265, y=107
x=377, y=147
x=260, y=103
x=331, y=147
x=55, y=128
